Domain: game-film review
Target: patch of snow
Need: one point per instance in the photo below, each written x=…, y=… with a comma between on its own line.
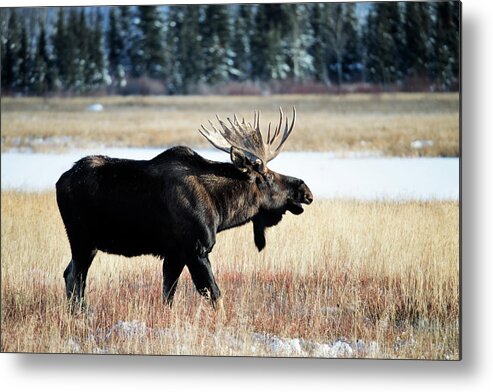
x=128, y=329
x=73, y=344
x=28, y=143
x=16, y=141
x=278, y=346
x=369, y=350
x=99, y=350
x=357, y=154
x=322, y=350
x=52, y=140
x=341, y=348
x=287, y=347
x=326, y=175
x=95, y=107
x=260, y=344
x=225, y=338
x=418, y=144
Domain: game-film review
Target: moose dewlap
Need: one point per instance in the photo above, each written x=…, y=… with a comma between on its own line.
x=172, y=206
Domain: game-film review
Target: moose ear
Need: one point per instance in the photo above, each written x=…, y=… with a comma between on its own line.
x=245, y=161
x=239, y=159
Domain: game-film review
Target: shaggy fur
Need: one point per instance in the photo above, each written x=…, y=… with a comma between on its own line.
x=171, y=206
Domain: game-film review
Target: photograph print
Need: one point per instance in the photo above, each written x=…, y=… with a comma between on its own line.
x=254, y=180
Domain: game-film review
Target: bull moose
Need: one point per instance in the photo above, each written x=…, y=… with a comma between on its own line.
x=173, y=205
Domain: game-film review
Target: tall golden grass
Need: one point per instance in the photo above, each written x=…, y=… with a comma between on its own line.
x=384, y=124
x=381, y=272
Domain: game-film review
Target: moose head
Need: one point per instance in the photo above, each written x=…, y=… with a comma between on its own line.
x=250, y=154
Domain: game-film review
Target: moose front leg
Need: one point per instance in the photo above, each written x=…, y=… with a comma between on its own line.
x=203, y=278
x=171, y=272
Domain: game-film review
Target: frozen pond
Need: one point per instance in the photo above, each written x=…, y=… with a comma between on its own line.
x=328, y=175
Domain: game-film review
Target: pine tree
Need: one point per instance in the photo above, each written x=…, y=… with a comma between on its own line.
x=3, y=38
x=191, y=56
x=62, y=50
x=43, y=77
x=281, y=42
x=174, y=22
x=276, y=60
x=352, y=57
x=24, y=60
x=267, y=54
x=297, y=38
x=259, y=44
x=319, y=49
x=74, y=78
x=240, y=44
x=136, y=48
x=151, y=26
x=116, y=44
x=125, y=24
x=96, y=71
x=342, y=40
x=383, y=40
x=186, y=65
x=11, y=62
x=83, y=43
x=446, y=45
x=215, y=33
x=119, y=38
x=416, y=34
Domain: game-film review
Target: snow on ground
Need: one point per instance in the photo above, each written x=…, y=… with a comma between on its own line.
x=255, y=344
x=327, y=174
x=95, y=107
x=418, y=144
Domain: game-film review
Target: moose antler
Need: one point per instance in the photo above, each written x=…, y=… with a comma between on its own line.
x=248, y=137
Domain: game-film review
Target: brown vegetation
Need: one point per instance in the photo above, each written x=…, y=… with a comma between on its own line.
x=379, y=272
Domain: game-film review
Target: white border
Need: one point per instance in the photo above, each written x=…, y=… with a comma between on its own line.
x=473, y=373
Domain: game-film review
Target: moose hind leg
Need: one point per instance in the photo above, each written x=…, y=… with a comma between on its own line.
x=75, y=275
x=203, y=279
x=171, y=272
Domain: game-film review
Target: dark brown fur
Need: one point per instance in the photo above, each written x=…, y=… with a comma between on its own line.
x=171, y=206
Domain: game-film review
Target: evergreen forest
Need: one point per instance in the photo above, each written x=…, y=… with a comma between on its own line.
x=231, y=49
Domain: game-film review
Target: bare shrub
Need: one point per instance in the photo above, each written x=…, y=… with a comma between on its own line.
x=416, y=83
x=143, y=86
x=240, y=88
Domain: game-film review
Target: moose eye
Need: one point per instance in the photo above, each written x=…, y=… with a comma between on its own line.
x=269, y=176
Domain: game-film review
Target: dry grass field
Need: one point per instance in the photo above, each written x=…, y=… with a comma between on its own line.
x=386, y=124
x=346, y=278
